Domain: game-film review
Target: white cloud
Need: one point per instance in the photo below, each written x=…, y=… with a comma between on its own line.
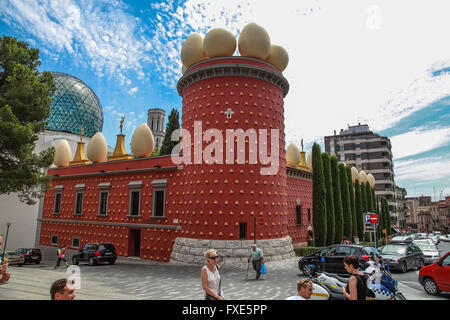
x=133, y=91
x=100, y=33
x=422, y=170
x=419, y=141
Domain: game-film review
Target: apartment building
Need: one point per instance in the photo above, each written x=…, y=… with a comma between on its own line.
x=359, y=147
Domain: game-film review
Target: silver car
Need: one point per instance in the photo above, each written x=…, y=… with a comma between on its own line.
x=431, y=253
x=15, y=258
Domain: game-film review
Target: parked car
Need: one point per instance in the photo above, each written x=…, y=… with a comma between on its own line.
x=93, y=253
x=331, y=258
x=424, y=241
x=431, y=253
x=444, y=238
x=15, y=258
x=402, y=256
x=32, y=255
x=435, y=239
x=436, y=277
x=402, y=239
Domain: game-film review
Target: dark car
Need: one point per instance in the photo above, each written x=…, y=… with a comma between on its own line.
x=93, y=253
x=32, y=255
x=402, y=256
x=331, y=259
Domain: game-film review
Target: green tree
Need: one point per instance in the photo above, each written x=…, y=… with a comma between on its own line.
x=351, y=191
x=25, y=97
x=338, y=215
x=346, y=213
x=385, y=213
x=172, y=125
x=368, y=190
x=359, y=210
x=319, y=198
x=155, y=152
x=329, y=204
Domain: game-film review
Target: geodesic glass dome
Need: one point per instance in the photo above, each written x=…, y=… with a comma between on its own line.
x=74, y=105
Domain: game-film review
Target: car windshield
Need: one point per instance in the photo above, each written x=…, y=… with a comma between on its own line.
x=394, y=250
x=426, y=247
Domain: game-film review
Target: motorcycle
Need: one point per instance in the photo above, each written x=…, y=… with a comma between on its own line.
x=380, y=285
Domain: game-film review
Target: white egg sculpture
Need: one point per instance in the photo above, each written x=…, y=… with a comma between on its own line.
x=292, y=156
x=355, y=174
x=371, y=180
x=254, y=41
x=192, y=50
x=362, y=177
x=278, y=57
x=63, y=154
x=97, y=149
x=219, y=42
x=142, y=142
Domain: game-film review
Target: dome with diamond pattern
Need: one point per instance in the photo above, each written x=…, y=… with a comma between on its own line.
x=74, y=105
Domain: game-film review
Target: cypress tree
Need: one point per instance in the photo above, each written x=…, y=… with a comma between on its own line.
x=329, y=200
x=172, y=125
x=346, y=213
x=385, y=212
x=319, y=198
x=359, y=210
x=338, y=218
x=387, y=216
x=351, y=191
x=364, y=198
x=369, y=197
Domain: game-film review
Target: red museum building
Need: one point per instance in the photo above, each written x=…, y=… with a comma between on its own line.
x=157, y=209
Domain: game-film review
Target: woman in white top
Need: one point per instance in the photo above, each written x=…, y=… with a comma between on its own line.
x=210, y=277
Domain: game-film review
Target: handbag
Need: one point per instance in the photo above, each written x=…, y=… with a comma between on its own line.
x=263, y=269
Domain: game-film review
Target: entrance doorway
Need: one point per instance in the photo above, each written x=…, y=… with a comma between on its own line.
x=134, y=243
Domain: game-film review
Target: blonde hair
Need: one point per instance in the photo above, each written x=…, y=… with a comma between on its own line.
x=208, y=253
x=302, y=283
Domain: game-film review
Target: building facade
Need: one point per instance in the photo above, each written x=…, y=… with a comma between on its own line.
x=74, y=105
x=163, y=209
x=401, y=212
x=359, y=147
x=156, y=119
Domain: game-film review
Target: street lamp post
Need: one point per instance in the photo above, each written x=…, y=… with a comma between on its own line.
x=8, y=224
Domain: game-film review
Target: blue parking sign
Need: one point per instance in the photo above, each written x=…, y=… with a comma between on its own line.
x=367, y=217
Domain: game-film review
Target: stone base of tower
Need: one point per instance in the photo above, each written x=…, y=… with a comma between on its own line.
x=191, y=251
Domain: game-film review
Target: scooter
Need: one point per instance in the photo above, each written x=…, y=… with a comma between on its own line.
x=380, y=285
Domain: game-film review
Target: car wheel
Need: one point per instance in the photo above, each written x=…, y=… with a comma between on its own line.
x=399, y=296
x=39, y=261
x=420, y=265
x=91, y=261
x=430, y=287
x=75, y=260
x=404, y=267
x=112, y=261
x=306, y=269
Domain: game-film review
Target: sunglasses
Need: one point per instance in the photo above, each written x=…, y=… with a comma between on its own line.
x=215, y=257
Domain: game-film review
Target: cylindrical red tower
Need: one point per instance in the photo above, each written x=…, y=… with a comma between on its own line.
x=233, y=150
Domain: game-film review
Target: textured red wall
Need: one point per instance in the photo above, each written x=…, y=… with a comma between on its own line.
x=208, y=201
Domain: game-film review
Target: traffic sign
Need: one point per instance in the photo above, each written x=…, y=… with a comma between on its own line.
x=373, y=218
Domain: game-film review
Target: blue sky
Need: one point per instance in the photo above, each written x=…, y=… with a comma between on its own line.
x=384, y=63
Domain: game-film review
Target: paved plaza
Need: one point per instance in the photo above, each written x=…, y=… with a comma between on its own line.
x=133, y=279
